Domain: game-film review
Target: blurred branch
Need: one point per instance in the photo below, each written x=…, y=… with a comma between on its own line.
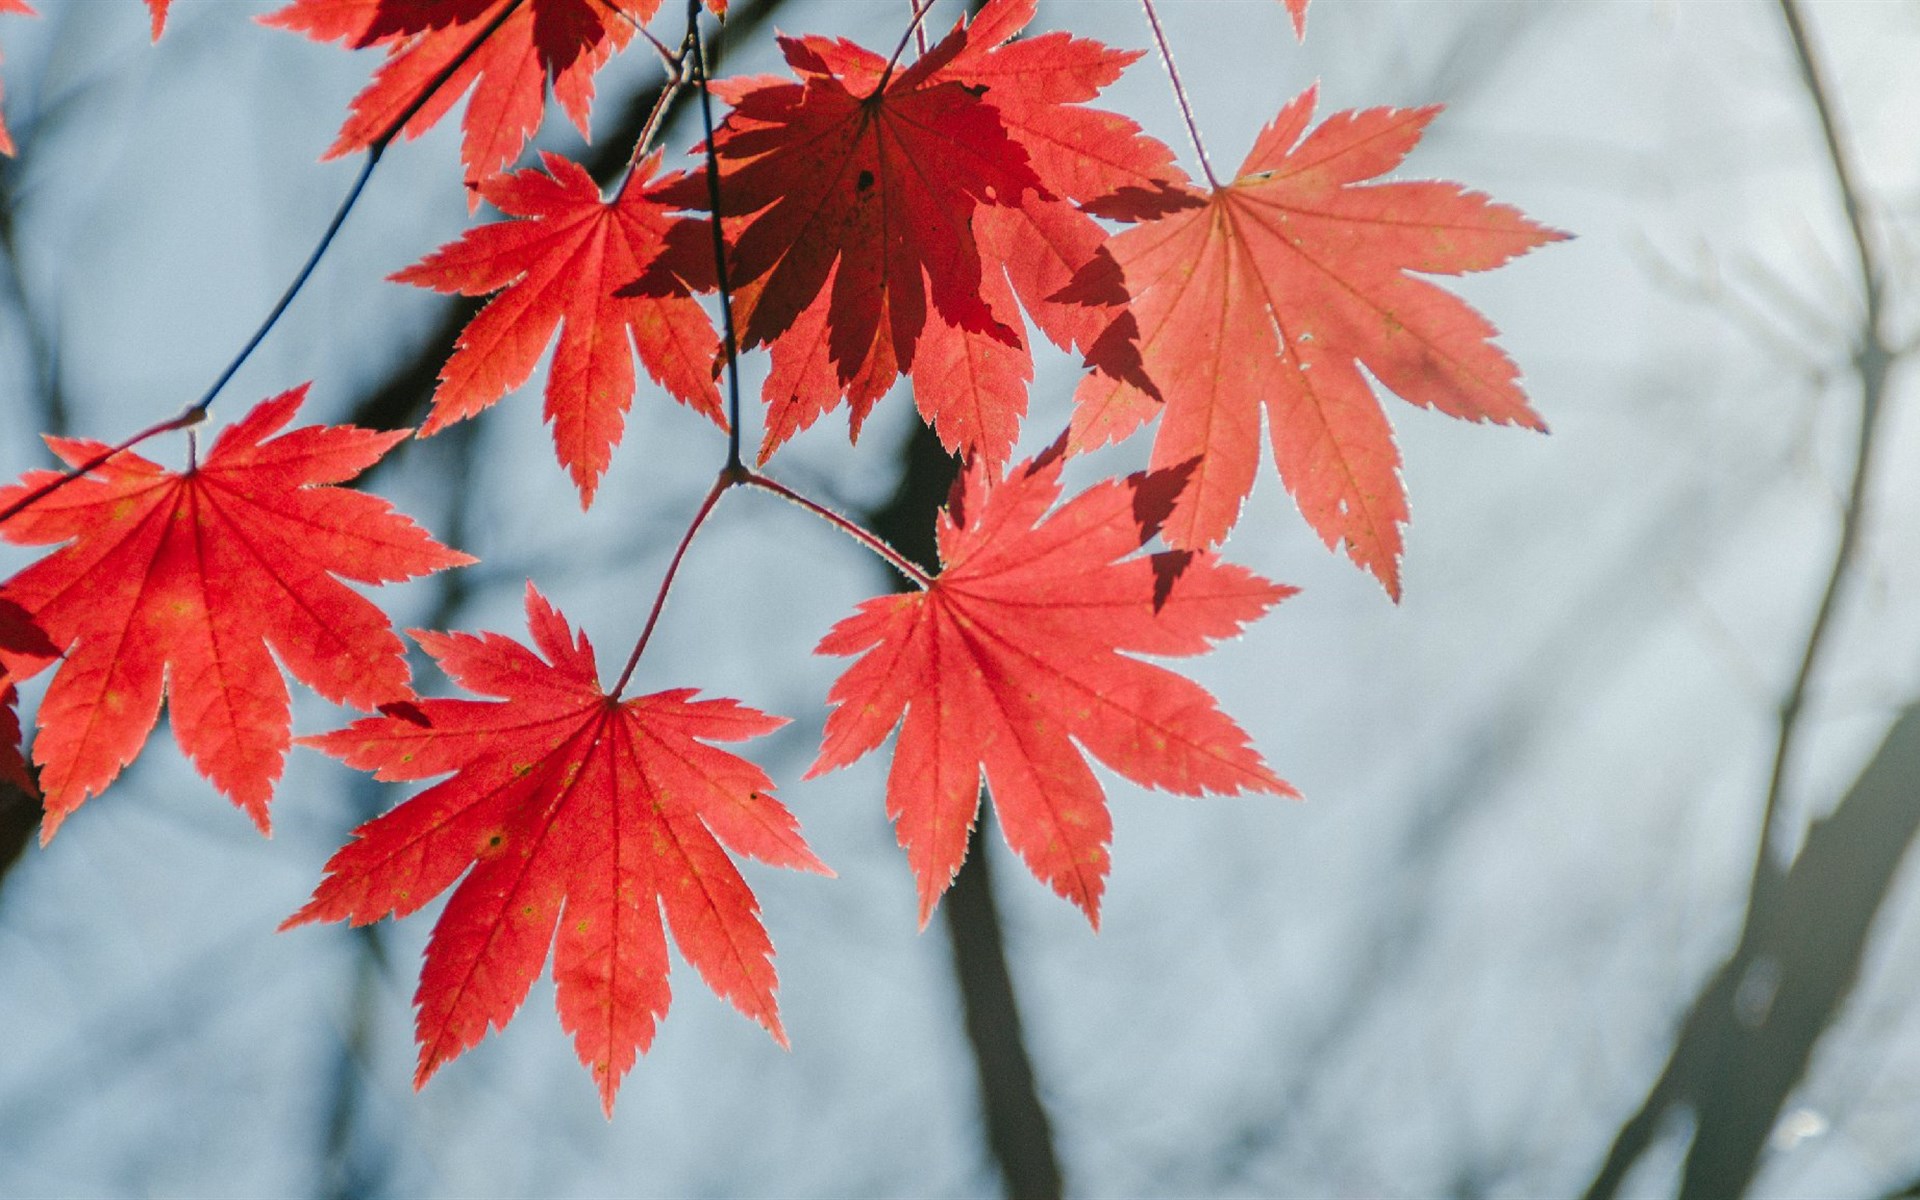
x=1872, y=358
x=1750, y=1032
x=1748, y=1038
x=1019, y=1134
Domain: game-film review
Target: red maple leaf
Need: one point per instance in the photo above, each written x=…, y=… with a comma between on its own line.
x=574, y=809
x=1272, y=290
x=831, y=343
x=21, y=7
x=181, y=581
x=518, y=49
x=1012, y=654
x=558, y=264
x=157, y=10
x=850, y=198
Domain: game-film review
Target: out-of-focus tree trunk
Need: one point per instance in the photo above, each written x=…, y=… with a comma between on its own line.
x=1019, y=1134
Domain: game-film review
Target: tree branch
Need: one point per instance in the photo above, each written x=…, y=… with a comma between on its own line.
x=1749, y=1034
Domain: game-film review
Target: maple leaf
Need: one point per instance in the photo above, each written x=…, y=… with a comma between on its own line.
x=970, y=365
x=157, y=11
x=518, y=48
x=1269, y=291
x=574, y=809
x=851, y=197
x=17, y=7
x=972, y=387
x=1013, y=653
x=557, y=264
x=181, y=581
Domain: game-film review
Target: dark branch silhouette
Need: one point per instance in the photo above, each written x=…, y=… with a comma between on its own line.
x=1019, y=1135
x=1750, y=1032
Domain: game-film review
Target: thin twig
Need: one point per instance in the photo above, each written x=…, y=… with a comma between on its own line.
x=729, y=340
x=293, y=289
x=1872, y=358
x=196, y=412
x=726, y=479
x=676, y=79
x=1179, y=91
x=375, y=148
x=186, y=419
x=852, y=529
x=920, y=10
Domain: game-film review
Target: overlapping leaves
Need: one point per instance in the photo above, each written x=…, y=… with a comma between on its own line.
x=881, y=217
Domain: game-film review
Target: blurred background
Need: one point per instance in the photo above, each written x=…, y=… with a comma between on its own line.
x=1522, y=938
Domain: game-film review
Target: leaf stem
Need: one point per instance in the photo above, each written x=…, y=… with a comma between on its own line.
x=676, y=79
x=726, y=479
x=737, y=475
x=919, y=27
x=852, y=529
x=914, y=30
x=185, y=419
x=729, y=340
x=1179, y=91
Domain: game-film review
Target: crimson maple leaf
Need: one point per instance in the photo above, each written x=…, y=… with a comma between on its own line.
x=851, y=196
x=970, y=376
x=563, y=800
x=559, y=263
x=181, y=581
x=1270, y=291
x=157, y=12
x=1012, y=654
x=513, y=50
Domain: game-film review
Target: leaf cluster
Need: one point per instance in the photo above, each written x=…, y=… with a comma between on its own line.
x=867, y=218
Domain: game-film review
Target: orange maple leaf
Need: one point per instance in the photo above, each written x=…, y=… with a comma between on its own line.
x=1012, y=654
x=1272, y=290
x=181, y=581
x=558, y=264
x=575, y=810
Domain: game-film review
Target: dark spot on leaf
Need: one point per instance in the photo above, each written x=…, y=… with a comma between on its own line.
x=865, y=181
